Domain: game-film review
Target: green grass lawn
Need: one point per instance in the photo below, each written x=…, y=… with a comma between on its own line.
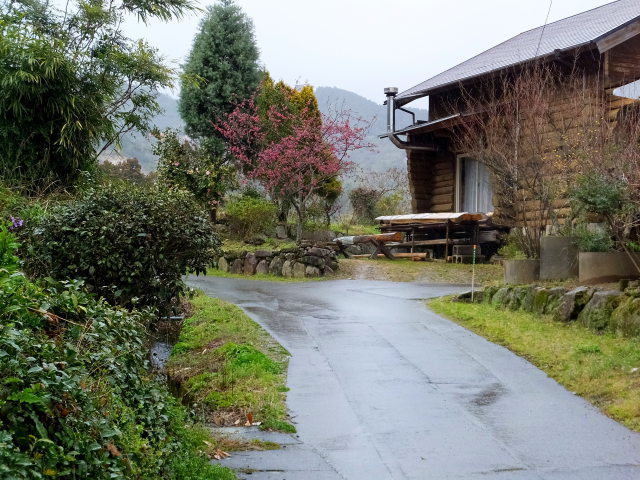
x=602, y=368
x=226, y=363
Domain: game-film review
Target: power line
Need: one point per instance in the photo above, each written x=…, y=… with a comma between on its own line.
x=543, y=27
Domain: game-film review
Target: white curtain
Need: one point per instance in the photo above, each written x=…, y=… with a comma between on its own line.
x=477, y=192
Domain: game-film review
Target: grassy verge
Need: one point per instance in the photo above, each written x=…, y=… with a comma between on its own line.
x=230, y=244
x=214, y=272
x=604, y=369
x=227, y=364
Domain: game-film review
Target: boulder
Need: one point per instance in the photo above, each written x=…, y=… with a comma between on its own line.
x=327, y=271
x=333, y=265
x=237, y=266
x=319, y=252
x=223, y=265
x=313, y=261
x=263, y=267
x=263, y=253
x=299, y=270
x=311, y=271
x=287, y=269
x=572, y=303
x=553, y=300
x=501, y=297
x=540, y=299
x=597, y=313
x=250, y=264
x=488, y=293
x=275, y=267
x=625, y=319
x=526, y=303
x=517, y=296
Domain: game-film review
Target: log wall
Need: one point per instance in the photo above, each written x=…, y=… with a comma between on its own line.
x=431, y=181
x=432, y=175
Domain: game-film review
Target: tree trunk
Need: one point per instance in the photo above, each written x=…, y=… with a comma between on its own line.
x=300, y=210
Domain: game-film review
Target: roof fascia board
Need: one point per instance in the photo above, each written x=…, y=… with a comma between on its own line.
x=620, y=35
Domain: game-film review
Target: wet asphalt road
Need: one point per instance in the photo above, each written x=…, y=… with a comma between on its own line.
x=382, y=388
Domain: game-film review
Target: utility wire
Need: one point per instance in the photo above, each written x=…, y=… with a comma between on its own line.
x=543, y=27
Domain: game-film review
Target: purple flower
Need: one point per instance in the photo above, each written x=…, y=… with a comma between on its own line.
x=16, y=223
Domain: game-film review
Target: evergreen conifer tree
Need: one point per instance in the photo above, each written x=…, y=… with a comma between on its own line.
x=225, y=58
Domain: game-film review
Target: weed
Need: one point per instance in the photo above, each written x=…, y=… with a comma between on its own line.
x=227, y=363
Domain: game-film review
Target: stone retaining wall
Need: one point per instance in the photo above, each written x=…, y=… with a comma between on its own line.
x=298, y=262
x=599, y=310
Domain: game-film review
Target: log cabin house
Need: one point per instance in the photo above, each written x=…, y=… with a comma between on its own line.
x=601, y=47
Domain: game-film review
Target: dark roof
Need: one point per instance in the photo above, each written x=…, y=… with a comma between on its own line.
x=566, y=34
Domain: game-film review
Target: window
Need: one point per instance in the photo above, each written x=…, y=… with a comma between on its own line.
x=473, y=186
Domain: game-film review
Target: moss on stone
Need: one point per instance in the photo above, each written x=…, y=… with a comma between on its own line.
x=540, y=299
x=488, y=294
x=517, y=296
x=625, y=319
x=597, y=313
x=501, y=297
x=527, y=301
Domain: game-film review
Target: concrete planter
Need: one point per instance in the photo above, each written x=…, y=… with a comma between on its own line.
x=521, y=271
x=558, y=258
x=606, y=266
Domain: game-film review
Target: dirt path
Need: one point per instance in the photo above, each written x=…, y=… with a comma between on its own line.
x=408, y=271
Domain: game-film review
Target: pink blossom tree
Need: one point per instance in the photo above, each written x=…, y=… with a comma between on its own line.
x=312, y=149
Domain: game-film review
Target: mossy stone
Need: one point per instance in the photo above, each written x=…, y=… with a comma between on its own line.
x=625, y=319
x=527, y=300
x=501, y=297
x=540, y=299
x=597, y=313
x=553, y=300
x=517, y=296
x=223, y=265
x=489, y=292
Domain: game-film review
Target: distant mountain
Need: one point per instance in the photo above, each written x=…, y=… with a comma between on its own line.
x=332, y=97
x=385, y=156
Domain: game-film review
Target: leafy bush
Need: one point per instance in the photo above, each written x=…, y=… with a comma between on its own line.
x=249, y=216
x=129, y=244
x=593, y=240
x=511, y=249
x=76, y=397
x=194, y=166
x=599, y=194
x=363, y=201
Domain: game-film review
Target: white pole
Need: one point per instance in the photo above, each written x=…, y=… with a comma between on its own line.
x=473, y=273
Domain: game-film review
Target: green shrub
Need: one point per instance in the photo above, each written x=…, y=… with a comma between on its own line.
x=512, y=249
x=129, y=244
x=76, y=397
x=249, y=216
x=592, y=240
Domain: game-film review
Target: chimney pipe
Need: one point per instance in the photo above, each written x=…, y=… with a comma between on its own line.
x=391, y=93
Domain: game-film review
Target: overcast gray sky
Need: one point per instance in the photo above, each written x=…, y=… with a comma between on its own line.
x=366, y=45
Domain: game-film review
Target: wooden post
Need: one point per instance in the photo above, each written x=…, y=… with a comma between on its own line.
x=446, y=245
x=413, y=239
